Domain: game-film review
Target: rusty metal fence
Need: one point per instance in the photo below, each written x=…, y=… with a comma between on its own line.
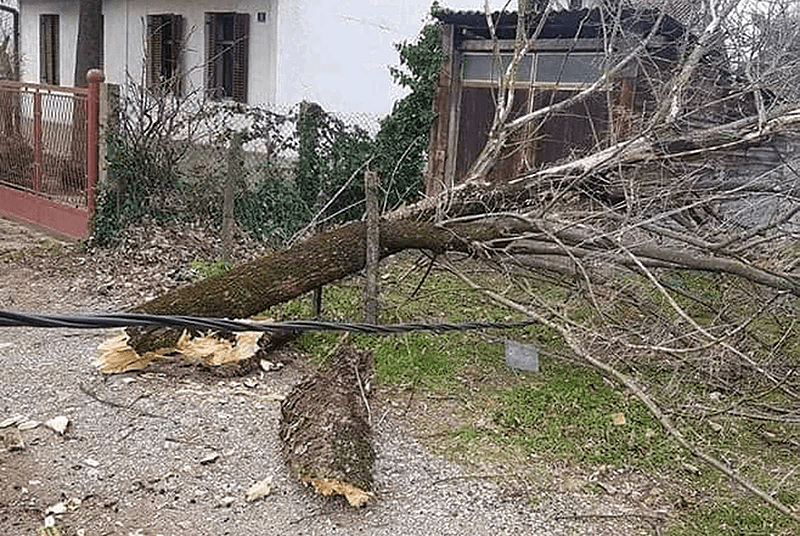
x=46, y=145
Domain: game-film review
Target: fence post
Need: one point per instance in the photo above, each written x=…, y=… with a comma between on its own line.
x=94, y=77
x=317, y=294
x=373, y=248
x=235, y=167
x=108, y=121
x=37, y=141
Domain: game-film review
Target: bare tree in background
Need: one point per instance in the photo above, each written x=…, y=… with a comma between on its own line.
x=89, y=44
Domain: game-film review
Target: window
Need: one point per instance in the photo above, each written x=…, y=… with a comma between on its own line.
x=488, y=68
x=574, y=69
x=48, y=50
x=164, y=47
x=543, y=77
x=226, y=55
x=568, y=69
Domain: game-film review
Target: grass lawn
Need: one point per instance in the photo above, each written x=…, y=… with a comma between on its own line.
x=568, y=415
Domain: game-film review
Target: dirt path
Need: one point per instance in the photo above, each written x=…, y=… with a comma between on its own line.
x=16, y=236
x=173, y=450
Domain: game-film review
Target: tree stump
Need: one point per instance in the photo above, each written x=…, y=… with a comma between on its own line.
x=325, y=428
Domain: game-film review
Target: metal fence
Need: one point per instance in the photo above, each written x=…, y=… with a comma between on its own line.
x=43, y=144
x=46, y=144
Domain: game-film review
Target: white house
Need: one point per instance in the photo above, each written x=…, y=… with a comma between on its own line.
x=279, y=52
x=275, y=52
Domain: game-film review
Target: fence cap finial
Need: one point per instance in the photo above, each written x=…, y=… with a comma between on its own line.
x=95, y=76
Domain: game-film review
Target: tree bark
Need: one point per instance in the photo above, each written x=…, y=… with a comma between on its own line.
x=324, y=258
x=90, y=39
x=325, y=428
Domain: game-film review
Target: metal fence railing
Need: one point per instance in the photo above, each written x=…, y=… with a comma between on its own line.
x=43, y=143
x=48, y=153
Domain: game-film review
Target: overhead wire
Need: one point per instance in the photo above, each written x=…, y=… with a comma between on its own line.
x=122, y=320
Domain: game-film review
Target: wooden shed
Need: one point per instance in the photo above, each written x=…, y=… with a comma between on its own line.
x=570, y=52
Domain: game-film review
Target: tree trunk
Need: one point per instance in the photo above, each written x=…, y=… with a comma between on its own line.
x=90, y=39
x=324, y=258
x=88, y=49
x=325, y=428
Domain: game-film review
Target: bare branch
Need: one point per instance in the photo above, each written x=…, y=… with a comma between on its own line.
x=577, y=347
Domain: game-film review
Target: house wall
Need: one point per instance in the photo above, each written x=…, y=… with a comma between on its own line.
x=125, y=39
x=335, y=53
x=29, y=38
x=126, y=19
x=338, y=53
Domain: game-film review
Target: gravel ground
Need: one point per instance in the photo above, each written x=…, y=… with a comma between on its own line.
x=174, y=449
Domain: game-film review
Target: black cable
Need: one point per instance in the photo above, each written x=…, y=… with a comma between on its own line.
x=121, y=320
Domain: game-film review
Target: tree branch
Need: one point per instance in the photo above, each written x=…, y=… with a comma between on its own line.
x=654, y=409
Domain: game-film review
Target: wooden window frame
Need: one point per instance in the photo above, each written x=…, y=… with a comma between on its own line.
x=530, y=88
x=528, y=74
x=49, y=49
x=227, y=56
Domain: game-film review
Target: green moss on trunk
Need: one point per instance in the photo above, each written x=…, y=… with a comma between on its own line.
x=278, y=277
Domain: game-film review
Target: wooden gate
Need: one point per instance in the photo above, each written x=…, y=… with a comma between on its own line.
x=49, y=155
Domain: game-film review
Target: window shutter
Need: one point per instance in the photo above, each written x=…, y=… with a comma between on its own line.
x=49, y=49
x=44, y=59
x=153, y=51
x=211, y=61
x=177, y=54
x=241, y=35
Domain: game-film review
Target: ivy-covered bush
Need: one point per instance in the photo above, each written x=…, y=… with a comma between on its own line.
x=402, y=142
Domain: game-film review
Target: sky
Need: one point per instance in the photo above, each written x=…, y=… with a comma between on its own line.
x=349, y=71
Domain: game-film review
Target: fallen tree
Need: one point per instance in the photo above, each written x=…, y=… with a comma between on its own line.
x=324, y=258
x=667, y=200
x=327, y=257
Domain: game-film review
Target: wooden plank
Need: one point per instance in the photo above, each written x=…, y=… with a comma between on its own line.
x=539, y=45
x=437, y=146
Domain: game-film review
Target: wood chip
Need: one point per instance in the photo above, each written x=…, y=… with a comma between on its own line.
x=269, y=366
x=211, y=458
x=28, y=425
x=116, y=356
x=58, y=508
x=58, y=424
x=258, y=490
x=355, y=496
x=12, y=421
